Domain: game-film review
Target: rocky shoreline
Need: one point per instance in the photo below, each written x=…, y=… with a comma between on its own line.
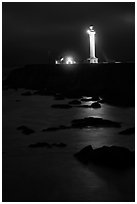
x=115, y=83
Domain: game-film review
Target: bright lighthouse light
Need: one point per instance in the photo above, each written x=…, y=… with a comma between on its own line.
x=70, y=60
x=91, y=27
x=92, y=33
x=66, y=60
x=88, y=31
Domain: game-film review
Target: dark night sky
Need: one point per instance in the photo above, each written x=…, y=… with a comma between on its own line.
x=32, y=30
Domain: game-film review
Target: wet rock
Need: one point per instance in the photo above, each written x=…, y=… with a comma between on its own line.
x=95, y=122
x=86, y=99
x=85, y=155
x=86, y=123
x=114, y=156
x=21, y=127
x=27, y=93
x=75, y=102
x=25, y=130
x=62, y=106
x=28, y=131
x=95, y=105
x=62, y=127
x=61, y=145
x=128, y=131
x=40, y=145
x=95, y=98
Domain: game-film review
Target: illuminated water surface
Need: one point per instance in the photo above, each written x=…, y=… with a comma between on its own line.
x=54, y=174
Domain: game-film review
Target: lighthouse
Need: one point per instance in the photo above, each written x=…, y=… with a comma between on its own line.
x=92, y=33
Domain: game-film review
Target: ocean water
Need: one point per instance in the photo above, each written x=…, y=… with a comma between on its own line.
x=44, y=174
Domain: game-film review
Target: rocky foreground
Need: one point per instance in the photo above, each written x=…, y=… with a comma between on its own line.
x=113, y=156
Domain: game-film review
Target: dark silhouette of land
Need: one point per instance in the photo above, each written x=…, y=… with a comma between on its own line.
x=114, y=82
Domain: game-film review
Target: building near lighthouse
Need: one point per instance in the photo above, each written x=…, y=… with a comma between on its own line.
x=92, y=59
x=91, y=34
x=66, y=60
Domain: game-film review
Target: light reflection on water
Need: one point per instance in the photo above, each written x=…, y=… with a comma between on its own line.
x=95, y=136
x=59, y=165
x=36, y=112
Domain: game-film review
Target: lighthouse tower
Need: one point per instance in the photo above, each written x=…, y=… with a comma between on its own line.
x=92, y=33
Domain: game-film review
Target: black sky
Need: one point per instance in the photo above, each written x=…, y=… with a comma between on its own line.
x=32, y=30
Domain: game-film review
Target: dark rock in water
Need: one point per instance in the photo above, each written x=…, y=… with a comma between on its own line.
x=63, y=127
x=115, y=157
x=27, y=93
x=40, y=144
x=59, y=144
x=96, y=122
x=128, y=131
x=28, y=131
x=22, y=127
x=75, y=102
x=95, y=98
x=85, y=154
x=86, y=123
x=25, y=130
x=95, y=105
x=62, y=106
x=86, y=99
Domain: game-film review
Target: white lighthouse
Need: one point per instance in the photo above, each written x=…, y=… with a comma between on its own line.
x=92, y=33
